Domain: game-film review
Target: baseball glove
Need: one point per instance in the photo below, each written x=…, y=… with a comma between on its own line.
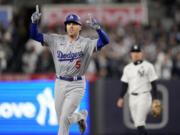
x=156, y=108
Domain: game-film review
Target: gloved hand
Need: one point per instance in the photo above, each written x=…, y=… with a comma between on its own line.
x=156, y=108
x=36, y=15
x=92, y=22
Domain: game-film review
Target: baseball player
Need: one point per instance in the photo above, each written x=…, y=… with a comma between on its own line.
x=139, y=77
x=71, y=54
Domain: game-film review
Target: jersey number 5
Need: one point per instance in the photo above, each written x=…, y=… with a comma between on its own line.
x=78, y=64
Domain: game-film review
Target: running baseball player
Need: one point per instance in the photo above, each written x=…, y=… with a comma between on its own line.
x=71, y=54
x=139, y=78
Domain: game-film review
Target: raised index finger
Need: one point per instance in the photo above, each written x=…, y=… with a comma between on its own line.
x=90, y=15
x=37, y=9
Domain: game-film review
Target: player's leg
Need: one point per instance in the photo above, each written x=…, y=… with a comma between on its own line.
x=68, y=116
x=74, y=118
x=71, y=102
x=82, y=115
x=59, y=96
x=143, y=108
x=132, y=107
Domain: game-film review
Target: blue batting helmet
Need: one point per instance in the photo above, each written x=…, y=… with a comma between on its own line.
x=72, y=18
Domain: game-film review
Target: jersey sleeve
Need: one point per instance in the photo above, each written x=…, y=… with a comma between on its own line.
x=91, y=46
x=124, y=77
x=49, y=39
x=152, y=76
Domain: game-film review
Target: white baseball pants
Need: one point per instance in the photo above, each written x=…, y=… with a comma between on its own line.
x=140, y=106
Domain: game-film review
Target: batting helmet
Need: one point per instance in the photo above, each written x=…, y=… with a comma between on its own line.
x=72, y=18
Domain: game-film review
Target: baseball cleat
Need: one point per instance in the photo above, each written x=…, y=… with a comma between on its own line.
x=82, y=123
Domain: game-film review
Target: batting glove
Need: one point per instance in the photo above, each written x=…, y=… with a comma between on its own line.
x=36, y=15
x=93, y=23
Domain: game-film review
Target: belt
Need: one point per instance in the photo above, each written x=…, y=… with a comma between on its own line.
x=69, y=78
x=136, y=94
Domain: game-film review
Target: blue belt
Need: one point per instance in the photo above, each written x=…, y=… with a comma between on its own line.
x=69, y=78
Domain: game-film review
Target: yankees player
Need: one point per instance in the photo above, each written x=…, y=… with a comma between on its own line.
x=71, y=54
x=139, y=78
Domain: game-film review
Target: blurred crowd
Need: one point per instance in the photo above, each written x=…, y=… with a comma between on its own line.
x=160, y=40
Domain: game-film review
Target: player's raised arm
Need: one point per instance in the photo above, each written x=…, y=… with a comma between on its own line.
x=34, y=34
x=103, y=38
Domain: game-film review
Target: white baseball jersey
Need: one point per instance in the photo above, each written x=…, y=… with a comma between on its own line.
x=139, y=77
x=71, y=59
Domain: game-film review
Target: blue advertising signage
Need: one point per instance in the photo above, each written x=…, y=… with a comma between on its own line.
x=27, y=107
x=4, y=17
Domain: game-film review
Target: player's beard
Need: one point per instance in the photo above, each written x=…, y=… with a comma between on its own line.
x=73, y=35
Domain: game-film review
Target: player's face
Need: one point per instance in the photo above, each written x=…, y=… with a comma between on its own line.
x=73, y=29
x=136, y=56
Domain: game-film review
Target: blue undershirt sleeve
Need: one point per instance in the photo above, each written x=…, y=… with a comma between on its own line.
x=103, y=39
x=34, y=34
